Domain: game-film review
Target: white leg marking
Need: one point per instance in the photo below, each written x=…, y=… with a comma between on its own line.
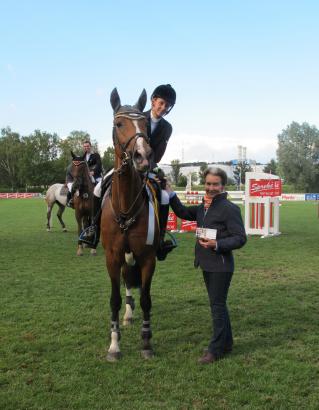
x=114, y=347
x=128, y=315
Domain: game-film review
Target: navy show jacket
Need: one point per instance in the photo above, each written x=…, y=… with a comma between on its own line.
x=225, y=217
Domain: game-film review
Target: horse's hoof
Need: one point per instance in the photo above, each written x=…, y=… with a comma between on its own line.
x=48, y=230
x=64, y=230
x=113, y=357
x=128, y=322
x=79, y=253
x=93, y=252
x=147, y=354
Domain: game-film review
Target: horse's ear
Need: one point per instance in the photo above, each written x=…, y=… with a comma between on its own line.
x=73, y=155
x=140, y=105
x=115, y=100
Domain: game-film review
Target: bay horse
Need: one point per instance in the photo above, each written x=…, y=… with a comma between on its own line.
x=124, y=222
x=56, y=194
x=83, y=197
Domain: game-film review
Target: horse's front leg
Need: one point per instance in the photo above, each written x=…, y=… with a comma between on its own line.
x=129, y=307
x=114, y=352
x=59, y=215
x=49, y=211
x=79, y=251
x=146, y=305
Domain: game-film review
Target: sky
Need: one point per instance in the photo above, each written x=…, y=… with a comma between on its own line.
x=242, y=70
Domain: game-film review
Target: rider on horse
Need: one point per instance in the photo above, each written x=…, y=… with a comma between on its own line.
x=94, y=162
x=159, y=131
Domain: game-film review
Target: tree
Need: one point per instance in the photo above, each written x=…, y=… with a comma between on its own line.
x=271, y=167
x=108, y=158
x=182, y=181
x=298, y=156
x=74, y=143
x=175, y=173
x=39, y=159
x=194, y=176
x=202, y=170
x=10, y=157
x=239, y=172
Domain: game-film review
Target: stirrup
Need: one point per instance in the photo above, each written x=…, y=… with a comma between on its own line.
x=70, y=204
x=89, y=236
x=166, y=247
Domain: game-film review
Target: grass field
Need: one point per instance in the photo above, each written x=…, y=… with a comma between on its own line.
x=54, y=329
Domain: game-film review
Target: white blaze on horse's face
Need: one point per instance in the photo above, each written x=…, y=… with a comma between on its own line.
x=142, y=150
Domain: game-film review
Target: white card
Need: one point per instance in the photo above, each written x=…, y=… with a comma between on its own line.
x=206, y=233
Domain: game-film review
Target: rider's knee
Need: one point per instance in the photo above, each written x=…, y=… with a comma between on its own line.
x=97, y=190
x=164, y=197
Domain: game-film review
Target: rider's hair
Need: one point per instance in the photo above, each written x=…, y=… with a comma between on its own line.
x=87, y=142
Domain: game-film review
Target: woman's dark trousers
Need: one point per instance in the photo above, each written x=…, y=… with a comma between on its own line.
x=217, y=284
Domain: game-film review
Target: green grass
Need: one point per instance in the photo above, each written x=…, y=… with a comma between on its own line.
x=54, y=329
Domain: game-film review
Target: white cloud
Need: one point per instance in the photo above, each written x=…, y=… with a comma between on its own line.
x=213, y=149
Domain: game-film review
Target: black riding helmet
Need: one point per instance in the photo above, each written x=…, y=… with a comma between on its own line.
x=167, y=92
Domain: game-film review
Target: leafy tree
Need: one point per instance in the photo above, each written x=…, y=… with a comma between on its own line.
x=298, y=156
x=271, y=167
x=108, y=158
x=39, y=158
x=175, y=173
x=10, y=157
x=202, y=170
x=74, y=143
x=239, y=172
x=182, y=181
x=194, y=177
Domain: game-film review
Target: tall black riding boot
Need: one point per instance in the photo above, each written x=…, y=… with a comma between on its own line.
x=91, y=235
x=165, y=246
x=69, y=198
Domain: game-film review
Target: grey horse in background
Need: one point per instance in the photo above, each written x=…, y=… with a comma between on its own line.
x=56, y=194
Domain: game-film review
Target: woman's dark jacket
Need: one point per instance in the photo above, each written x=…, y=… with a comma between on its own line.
x=225, y=217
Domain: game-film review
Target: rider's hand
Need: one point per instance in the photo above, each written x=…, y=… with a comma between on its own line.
x=168, y=187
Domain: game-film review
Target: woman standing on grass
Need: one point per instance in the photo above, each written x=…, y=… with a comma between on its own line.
x=214, y=256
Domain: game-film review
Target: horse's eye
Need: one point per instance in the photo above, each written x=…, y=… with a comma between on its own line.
x=119, y=124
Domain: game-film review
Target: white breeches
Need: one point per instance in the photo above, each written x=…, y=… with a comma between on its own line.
x=69, y=184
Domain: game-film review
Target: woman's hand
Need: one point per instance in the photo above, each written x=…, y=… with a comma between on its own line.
x=207, y=243
x=168, y=187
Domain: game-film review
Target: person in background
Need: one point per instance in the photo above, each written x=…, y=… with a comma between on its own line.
x=214, y=256
x=94, y=162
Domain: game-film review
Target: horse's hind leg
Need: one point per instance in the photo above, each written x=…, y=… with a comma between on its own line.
x=114, y=352
x=59, y=215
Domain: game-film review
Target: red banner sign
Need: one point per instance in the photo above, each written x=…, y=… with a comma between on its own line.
x=15, y=195
x=265, y=187
x=188, y=226
x=171, y=222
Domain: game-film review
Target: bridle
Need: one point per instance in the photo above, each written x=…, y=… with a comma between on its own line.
x=125, y=219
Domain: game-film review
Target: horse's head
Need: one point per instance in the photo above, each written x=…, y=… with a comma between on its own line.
x=79, y=167
x=130, y=132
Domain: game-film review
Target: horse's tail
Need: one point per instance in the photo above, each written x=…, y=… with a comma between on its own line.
x=132, y=276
